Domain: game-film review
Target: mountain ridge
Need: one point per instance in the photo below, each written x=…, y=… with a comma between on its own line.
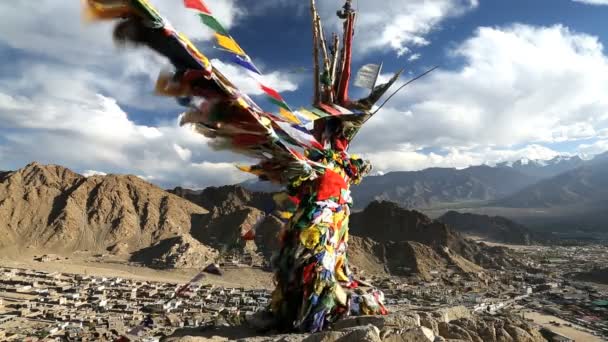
x=51, y=207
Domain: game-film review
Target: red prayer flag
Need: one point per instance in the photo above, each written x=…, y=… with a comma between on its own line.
x=271, y=92
x=197, y=5
x=249, y=236
x=330, y=184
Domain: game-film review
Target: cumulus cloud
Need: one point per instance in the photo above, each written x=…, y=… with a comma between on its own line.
x=250, y=83
x=397, y=24
x=407, y=158
x=91, y=173
x=64, y=100
x=597, y=147
x=593, y=2
x=518, y=85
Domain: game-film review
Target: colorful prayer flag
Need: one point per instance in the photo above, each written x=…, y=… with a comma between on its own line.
x=197, y=5
x=289, y=116
x=308, y=114
x=271, y=92
x=246, y=63
x=279, y=103
x=212, y=23
x=229, y=44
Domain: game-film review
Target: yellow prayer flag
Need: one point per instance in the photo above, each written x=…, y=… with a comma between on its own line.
x=229, y=44
x=192, y=48
x=95, y=10
x=289, y=116
x=308, y=114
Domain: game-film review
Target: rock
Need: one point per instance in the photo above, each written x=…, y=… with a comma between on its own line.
x=503, y=336
x=427, y=320
x=367, y=333
x=395, y=320
x=451, y=331
x=518, y=334
x=453, y=313
x=488, y=333
x=417, y=334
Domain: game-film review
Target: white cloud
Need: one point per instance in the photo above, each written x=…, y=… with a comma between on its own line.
x=518, y=85
x=250, y=83
x=397, y=24
x=593, y=2
x=91, y=173
x=597, y=147
x=183, y=153
x=408, y=158
x=63, y=101
x=414, y=57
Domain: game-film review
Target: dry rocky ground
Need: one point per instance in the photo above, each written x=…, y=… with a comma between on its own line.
x=454, y=324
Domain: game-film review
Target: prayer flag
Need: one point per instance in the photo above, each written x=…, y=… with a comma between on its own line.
x=368, y=75
x=308, y=114
x=197, y=5
x=229, y=44
x=213, y=24
x=289, y=116
x=279, y=103
x=271, y=92
x=246, y=63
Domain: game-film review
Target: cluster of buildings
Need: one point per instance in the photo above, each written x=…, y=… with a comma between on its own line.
x=78, y=307
x=81, y=307
x=560, y=292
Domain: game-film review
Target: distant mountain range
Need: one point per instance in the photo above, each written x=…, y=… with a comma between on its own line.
x=544, y=168
x=566, y=193
x=586, y=184
x=444, y=187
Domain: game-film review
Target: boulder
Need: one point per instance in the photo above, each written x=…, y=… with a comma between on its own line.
x=417, y=334
x=453, y=313
x=367, y=333
x=393, y=320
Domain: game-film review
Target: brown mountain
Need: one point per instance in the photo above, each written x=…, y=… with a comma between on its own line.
x=53, y=208
x=492, y=228
x=407, y=243
x=387, y=221
x=227, y=198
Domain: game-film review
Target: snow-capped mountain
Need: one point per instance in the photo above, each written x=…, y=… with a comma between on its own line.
x=544, y=168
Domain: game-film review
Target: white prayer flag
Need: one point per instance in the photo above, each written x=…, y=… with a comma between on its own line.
x=367, y=76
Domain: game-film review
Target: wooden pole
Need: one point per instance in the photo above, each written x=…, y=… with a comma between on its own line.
x=323, y=44
x=335, y=54
x=315, y=53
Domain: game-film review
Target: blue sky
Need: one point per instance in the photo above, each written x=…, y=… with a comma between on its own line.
x=516, y=79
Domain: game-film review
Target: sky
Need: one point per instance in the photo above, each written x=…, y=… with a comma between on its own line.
x=515, y=79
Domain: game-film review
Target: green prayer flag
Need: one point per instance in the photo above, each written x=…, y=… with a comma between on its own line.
x=279, y=103
x=320, y=113
x=212, y=23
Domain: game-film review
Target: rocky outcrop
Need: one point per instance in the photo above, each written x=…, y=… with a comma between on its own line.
x=179, y=252
x=450, y=324
x=399, y=224
x=496, y=228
